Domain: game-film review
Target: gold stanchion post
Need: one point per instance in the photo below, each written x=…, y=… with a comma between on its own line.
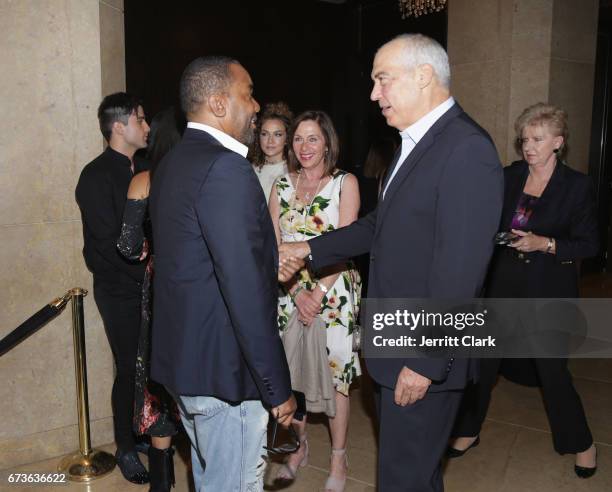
x=87, y=464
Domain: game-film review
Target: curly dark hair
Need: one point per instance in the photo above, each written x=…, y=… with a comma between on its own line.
x=271, y=111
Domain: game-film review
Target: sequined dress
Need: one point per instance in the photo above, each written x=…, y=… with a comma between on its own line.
x=155, y=412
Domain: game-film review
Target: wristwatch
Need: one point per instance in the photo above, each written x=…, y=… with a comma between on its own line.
x=550, y=244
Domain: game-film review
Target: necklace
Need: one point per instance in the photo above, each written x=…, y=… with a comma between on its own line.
x=306, y=195
x=306, y=209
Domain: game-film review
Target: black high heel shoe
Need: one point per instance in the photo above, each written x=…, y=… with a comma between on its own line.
x=457, y=453
x=585, y=471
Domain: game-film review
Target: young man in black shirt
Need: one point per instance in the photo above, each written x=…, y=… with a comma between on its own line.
x=101, y=195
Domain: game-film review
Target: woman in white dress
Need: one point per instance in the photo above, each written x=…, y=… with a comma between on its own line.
x=269, y=155
x=312, y=198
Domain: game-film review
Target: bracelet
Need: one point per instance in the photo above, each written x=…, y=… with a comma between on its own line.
x=296, y=292
x=550, y=244
x=324, y=289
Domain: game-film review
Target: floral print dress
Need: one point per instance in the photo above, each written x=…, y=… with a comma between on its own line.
x=340, y=306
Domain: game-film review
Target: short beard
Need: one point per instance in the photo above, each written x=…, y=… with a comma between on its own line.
x=248, y=135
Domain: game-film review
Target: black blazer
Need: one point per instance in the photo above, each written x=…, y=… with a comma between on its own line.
x=566, y=212
x=214, y=313
x=431, y=236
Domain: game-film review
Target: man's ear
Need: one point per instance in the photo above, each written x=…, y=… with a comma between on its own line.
x=118, y=128
x=217, y=103
x=425, y=74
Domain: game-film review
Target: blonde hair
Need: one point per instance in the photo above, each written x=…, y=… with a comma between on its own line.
x=540, y=114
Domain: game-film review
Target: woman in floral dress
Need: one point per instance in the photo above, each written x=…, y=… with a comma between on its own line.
x=315, y=197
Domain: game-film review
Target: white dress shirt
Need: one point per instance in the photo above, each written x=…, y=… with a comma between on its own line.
x=415, y=132
x=223, y=138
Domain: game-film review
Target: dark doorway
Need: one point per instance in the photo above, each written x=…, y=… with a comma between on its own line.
x=600, y=165
x=311, y=54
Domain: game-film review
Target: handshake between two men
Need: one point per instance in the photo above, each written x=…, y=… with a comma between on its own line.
x=410, y=386
x=291, y=259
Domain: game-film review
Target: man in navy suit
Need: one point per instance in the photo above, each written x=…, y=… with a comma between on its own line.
x=215, y=342
x=431, y=236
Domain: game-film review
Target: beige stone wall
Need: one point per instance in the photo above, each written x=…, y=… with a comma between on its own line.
x=508, y=54
x=51, y=84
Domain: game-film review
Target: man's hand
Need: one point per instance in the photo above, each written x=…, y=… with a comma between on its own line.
x=297, y=250
x=288, y=267
x=284, y=412
x=410, y=387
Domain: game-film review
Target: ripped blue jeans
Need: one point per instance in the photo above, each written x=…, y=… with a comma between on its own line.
x=227, y=443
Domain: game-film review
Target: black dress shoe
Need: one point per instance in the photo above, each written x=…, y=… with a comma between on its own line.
x=584, y=472
x=457, y=453
x=131, y=467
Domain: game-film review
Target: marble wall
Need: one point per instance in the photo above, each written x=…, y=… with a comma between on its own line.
x=508, y=54
x=52, y=82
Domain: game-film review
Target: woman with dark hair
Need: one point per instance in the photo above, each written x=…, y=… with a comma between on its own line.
x=269, y=155
x=315, y=197
x=549, y=211
x=155, y=413
x=380, y=156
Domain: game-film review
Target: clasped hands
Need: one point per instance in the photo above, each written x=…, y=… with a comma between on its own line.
x=308, y=302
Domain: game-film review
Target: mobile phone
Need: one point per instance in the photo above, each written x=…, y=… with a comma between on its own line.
x=300, y=398
x=505, y=238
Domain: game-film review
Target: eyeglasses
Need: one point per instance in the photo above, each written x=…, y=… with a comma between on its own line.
x=286, y=448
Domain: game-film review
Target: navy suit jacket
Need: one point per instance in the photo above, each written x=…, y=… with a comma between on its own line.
x=215, y=331
x=431, y=236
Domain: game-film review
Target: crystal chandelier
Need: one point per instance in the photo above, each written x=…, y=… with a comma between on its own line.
x=415, y=8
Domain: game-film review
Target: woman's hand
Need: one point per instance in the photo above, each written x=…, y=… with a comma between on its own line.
x=528, y=242
x=145, y=250
x=309, y=306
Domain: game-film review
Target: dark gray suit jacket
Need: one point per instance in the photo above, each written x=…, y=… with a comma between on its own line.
x=431, y=236
x=215, y=284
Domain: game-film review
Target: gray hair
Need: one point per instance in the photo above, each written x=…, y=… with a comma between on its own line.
x=204, y=77
x=420, y=50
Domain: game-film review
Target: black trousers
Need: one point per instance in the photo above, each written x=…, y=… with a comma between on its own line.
x=120, y=310
x=413, y=440
x=570, y=430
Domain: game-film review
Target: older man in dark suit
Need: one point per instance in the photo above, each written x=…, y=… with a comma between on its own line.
x=431, y=236
x=215, y=338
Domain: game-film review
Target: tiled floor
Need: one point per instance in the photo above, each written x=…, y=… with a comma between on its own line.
x=515, y=453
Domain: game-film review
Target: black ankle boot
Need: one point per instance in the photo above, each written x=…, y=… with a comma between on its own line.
x=161, y=469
